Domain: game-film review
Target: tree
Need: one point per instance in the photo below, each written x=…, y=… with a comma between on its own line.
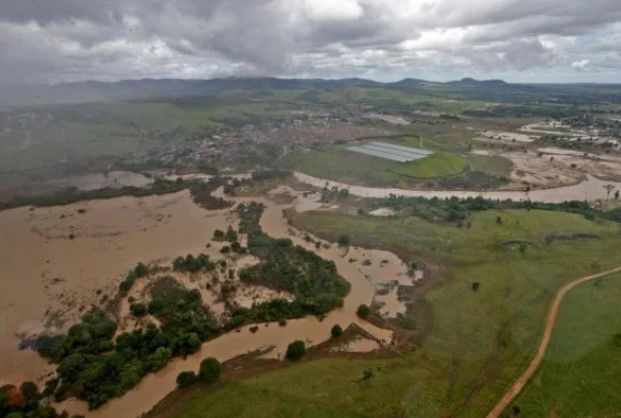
x=336, y=331
x=210, y=370
x=126, y=285
x=187, y=343
x=141, y=270
x=231, y=235
x=156, y=306
x=343, y=241
x=498, y=220
x=475, y=286
x=30, y=391
x=218, y=235
x=185, y=379
x=296, y=350
x=138, y=309
x=363, y=311
x=159, y=358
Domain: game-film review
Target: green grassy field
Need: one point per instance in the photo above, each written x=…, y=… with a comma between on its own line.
x=338, y=163
x=580, y=373
x=479, y=340
x=494, y=165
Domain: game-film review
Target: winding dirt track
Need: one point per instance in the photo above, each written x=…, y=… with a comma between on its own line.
x=521, y=381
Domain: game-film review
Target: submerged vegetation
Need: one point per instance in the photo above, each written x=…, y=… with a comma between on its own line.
x=72, y=195
x=201, y=193
x=314, y=281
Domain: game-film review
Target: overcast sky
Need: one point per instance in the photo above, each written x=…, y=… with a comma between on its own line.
x=517, y=40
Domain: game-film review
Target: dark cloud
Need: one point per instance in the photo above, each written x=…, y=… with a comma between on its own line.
x=546, y=40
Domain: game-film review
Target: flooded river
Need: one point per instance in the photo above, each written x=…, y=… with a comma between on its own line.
x=310, y=329
x=590, y=189
x=45, y=270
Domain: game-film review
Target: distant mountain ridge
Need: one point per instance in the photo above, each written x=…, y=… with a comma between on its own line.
x=145, y=89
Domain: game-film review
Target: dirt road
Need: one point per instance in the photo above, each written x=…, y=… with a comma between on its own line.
x=519, y=384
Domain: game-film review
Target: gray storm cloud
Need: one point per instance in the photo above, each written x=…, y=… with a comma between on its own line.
x=527, y=40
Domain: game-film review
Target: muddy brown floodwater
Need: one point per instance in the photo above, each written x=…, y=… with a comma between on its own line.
x=58, y=261
x=48, y=279
x=156, y=386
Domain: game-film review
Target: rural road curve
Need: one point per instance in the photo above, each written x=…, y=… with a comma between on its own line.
x=519, y=384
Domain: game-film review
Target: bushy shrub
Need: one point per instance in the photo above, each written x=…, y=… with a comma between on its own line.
x=210, y=370
x=141, y=270
x=363, y=311
x=185, y=379
x=336, y=331
x=296, y=350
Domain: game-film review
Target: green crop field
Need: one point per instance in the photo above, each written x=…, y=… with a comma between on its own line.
x=479, y=341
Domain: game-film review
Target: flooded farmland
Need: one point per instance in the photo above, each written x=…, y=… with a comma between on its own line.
x=66, y=258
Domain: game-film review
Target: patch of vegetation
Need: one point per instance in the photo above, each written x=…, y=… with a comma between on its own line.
x=336, y=331
x=202, y=194
x=296, y=350
x=209, y=370
x=191, y=264
x=139, y=271
x=185, y=379
x=314, y=281
x=24, y=402
x=363, y=311
x=459, y=210
x=73, y=195
x=260, y=181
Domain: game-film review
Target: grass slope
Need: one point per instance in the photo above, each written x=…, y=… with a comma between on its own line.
x=580, y=373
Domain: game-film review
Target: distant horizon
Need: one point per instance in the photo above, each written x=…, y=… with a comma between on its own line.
x=284, y=78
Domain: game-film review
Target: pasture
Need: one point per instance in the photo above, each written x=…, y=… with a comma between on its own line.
x=580, y=373
x=478, y=340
